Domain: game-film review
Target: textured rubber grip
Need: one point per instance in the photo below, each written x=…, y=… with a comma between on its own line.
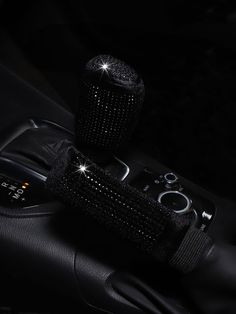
x=80, y=183
x=191, y=250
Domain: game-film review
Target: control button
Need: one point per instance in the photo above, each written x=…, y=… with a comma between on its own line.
x=176, y=201
x=206, y=216
x=171, y=178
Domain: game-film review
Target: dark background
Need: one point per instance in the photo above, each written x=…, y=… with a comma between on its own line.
x=185, y=51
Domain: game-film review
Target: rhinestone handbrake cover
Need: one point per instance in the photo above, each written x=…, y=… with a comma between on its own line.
x=80, y=183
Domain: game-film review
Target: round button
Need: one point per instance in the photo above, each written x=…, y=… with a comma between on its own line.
x=170, y=178
x=176, y=201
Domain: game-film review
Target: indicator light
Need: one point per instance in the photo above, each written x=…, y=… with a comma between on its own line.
x=25, y=185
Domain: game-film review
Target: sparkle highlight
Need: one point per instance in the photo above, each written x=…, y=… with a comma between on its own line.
x=82, y=168
x=104, y=67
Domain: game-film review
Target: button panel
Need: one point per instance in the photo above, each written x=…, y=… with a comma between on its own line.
x=168, y=189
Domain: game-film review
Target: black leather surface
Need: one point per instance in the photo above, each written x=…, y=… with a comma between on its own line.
x=212, y=287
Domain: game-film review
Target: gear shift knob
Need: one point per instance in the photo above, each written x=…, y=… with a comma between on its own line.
x=111, y=96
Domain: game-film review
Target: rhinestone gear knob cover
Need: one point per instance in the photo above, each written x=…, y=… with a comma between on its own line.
x=110, y=99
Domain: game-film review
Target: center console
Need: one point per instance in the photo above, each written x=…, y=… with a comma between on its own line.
x=66, y=253
x=164, y=186
x=27, y=156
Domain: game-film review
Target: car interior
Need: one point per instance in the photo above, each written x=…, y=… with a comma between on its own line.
x=181, y=155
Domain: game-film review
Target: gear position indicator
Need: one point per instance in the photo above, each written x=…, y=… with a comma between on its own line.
x=20, y=194
x=14, y=192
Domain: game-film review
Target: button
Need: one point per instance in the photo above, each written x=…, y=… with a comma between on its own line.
x=170, y=178
x=176, y=201
x=206, y=216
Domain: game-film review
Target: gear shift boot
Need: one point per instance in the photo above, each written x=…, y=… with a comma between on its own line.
x=37, y=147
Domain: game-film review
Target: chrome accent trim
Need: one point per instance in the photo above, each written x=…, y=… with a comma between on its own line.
x=127, y=171
x=207, y=216
x=171, y=181
x=182, y=211
x=196, y=217
x=34, y=125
